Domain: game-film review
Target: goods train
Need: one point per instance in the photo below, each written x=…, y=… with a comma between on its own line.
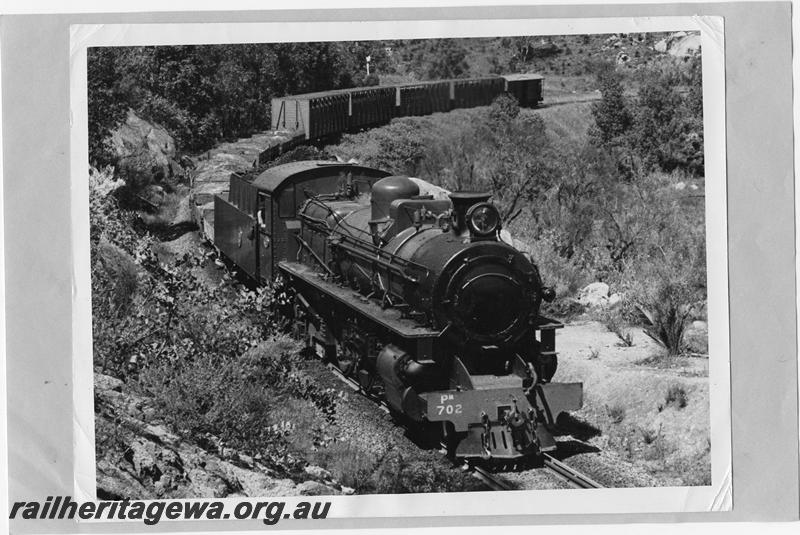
x=318, y=115
x=414, y=297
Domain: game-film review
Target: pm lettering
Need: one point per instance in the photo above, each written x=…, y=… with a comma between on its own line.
x=448, y=408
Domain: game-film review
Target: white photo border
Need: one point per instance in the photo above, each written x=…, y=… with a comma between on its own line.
x=716, y=497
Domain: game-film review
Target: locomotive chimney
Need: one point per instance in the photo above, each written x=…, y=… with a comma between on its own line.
x=462, y=201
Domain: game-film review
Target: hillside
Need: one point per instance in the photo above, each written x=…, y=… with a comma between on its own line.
x=565, y=60
x=189, y=89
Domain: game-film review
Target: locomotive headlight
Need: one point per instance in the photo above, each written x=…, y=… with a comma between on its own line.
x=483, y=219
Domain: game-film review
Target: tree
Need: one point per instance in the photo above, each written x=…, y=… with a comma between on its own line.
x=439, y=59
x=661, y=128
x=107, y=102
x=520, y=162
x=612, y=116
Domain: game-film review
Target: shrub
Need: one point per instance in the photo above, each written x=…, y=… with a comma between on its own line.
x=676, y=395
x=401, y=147
x=667, y=300
x=665, y=274
x=616, y=413
x=612, y=319
x=260, y=402
x=504, y=108
x=350, y=465
x=207, y=354
x=393, y=472
x=398, y=474
x=658, y=446
x=649, y=436
x=122, y=275
x=564, y=274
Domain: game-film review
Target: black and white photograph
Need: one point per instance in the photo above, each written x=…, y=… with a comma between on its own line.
x=401, y=266
x=451, y=268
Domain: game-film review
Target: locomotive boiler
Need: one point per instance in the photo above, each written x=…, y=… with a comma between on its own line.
x=416, y=298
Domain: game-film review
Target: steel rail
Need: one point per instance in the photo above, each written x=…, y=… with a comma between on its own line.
x=572, y=476
x=490, y=480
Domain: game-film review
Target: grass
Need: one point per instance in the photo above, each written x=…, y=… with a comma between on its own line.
x=567, y=123
x=352, y=466
x=123, y=275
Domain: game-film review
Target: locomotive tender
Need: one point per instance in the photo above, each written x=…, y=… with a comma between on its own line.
x=416, y=298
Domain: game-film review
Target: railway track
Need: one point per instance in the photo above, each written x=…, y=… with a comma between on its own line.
x=572, y=476
x=489, y=479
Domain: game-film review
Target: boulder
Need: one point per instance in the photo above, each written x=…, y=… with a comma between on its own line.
x=114, y=483
x=695, y=337
x=317, y=472
x=314, y=488
x=679, y=44
x=594, y=295
x=160, y=433
x=142, y=455
x=205, y=484
x=104, y=383
x=144, y=152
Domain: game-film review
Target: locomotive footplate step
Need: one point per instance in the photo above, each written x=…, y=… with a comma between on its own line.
x=388, y=317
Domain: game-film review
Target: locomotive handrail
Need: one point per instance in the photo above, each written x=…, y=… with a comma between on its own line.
x=339, y=219
x=371, y=253
x=321, y=262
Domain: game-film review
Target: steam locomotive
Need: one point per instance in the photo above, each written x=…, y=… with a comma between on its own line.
x=416, y=298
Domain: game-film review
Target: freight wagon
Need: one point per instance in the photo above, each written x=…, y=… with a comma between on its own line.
x=526, y=88
x=318, y=115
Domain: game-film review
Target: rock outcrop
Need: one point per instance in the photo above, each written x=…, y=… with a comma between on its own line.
x=679, y=44
x=597, y=295
x=138, y=457
x=145, y=152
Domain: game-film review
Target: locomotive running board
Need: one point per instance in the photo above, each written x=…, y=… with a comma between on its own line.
x=389, y=318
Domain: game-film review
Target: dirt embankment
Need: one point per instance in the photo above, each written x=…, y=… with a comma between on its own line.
x=649, y=410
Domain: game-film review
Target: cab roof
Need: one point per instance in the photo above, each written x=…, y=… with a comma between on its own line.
x=274, y=178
